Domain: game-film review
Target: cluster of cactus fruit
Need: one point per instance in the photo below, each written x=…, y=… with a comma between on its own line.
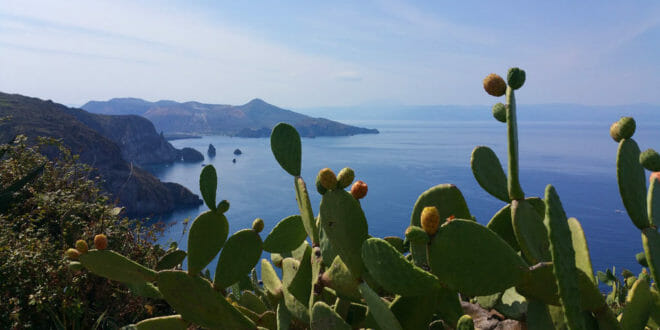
x=530, y=262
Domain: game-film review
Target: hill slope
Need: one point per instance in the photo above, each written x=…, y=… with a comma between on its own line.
x=253, y=119
x=136, y=189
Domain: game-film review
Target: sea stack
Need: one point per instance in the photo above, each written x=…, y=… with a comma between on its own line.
x=211, y=151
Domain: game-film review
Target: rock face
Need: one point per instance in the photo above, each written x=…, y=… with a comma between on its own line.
x=191, y=155
x=211, y=151
x=134, y=188
x=136, y=136
x=253, y=119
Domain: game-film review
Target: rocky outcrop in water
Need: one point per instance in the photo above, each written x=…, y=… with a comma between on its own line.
x=211, y=151
x=190, y=155
x=137, y=190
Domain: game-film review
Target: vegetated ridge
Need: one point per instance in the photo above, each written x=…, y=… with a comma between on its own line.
x=114, y=145
x=253, y=119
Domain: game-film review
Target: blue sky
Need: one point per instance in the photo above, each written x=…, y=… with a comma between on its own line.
x=340, y=53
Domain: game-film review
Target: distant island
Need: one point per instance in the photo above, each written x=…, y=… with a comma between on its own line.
x=253, y=119
x=116, y=146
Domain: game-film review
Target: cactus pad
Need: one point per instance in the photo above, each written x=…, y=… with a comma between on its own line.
x=653, y=202
x=446, y=198
x=531, y=234
x=196, y=301
x=338, y=277
x=651, y=242
x=390, y=269
x=116, y=267
x=171, y=260
x=270, y=279
x=637, y=308
x=294, y=306
x=205, y=239
x=344, y=222
x=239, y=255
x=323, y=317
x=632, y=182
x=499, y=112
x=582, y=256
x=473, y=260
x=208, y=185
x=488, y=171
x=286, y=236
x=286, y=147
x=563, y=257
x=379, y=309
x=305, y=207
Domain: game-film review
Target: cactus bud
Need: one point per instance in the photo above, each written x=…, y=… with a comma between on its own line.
x=359, y=189
x=417, y=235
x=623, y=129
x=223, y=206
x=430, y=220
x=499, y=112
x=72, y=254
x=345, y=177
x=258, y=225
x=100, y=242
x=320, y=187
x=327, y=178
x=81, y=246
x=494, y=85
x=650, y=159
x=515, y=78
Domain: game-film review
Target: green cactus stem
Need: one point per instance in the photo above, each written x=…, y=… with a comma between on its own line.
x=563, y=257
x=651, y=243
x=513, y=183
x=305, y=207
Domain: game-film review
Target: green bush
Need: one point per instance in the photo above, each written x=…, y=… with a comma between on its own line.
x=46, y=216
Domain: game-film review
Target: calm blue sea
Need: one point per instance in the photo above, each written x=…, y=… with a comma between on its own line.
x=408, y=157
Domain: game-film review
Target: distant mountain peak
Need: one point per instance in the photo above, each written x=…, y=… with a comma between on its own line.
x=254, y=119
x=257, y=101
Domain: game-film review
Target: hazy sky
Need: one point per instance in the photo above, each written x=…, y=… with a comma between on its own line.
x=305, y=54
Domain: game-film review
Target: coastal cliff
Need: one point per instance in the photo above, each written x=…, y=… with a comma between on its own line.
x=103, y=144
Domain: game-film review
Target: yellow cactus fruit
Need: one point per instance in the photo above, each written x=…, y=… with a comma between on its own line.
x=430, y=220
x=81, y=246
x=72, y=254
x=327, y=178
x=258, y=225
